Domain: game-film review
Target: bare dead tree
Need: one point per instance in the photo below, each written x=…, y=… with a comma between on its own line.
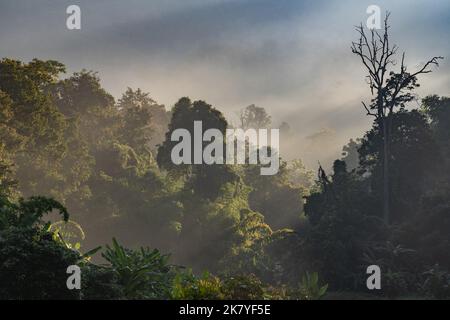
x=391, y=89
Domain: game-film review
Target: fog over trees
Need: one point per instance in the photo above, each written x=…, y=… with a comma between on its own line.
x=88, y=180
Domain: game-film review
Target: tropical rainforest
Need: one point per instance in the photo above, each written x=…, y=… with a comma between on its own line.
x=87, y=180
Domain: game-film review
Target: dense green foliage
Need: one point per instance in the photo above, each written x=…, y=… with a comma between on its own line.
x=260, y=237
x=347, y=228
x=32, y=264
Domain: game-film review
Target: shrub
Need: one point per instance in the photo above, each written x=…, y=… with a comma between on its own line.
x=310, y=288
x=436, y=283
x=33, y=266
x=143, y=273
x=243, y=287
x=186, y=286
x=100, y=283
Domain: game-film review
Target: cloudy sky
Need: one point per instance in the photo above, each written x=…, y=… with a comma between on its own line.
x=291, y=57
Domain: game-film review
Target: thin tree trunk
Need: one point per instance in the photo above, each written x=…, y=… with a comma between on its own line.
x=386, y=193
x=392, y=89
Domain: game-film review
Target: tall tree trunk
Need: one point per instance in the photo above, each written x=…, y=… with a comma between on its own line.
x=392, y=89
x=386, y=193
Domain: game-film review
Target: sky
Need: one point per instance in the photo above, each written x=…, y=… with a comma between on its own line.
x=291, y=57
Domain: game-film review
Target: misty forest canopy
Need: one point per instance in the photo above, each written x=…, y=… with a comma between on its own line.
x=234, y=146
x=68, y=146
